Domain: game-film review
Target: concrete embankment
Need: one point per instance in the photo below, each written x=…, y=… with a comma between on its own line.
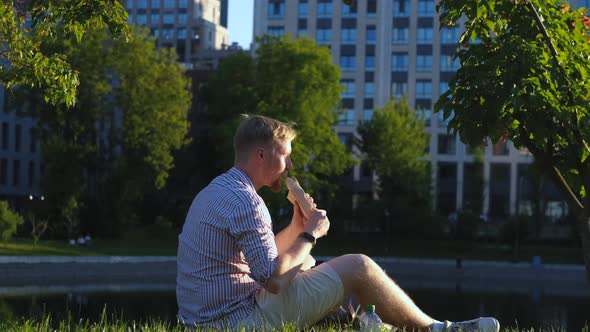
x=21, y=275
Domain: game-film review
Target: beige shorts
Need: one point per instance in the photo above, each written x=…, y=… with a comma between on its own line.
x=311, y=295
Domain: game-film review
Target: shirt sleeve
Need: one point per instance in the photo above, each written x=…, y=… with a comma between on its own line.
x=250, y=224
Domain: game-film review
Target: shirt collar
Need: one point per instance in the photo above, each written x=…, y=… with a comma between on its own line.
x=241, y=176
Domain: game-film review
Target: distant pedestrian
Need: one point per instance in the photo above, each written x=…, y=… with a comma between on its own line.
x=233, y=271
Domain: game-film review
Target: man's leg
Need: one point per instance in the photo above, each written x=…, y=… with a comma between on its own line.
x=367, y=281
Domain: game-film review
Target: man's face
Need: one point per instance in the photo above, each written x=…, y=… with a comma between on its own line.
x=278, y=164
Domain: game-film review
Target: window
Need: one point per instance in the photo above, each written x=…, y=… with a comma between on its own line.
x=372, y=8
x=347, y=62
x=3, y=171
x=155, y=4
x=349, y=88
x=155, y=19
x=156, y=33
x=32, y=141
x=399, y=36
x=424, y=63
x=302, y=32
x=369, y=89
x=449, y=63
x=426, y=8
x=168, y=19
x=141, y=19
x=500, y=148
x=446, y=144
x=401, y=8
x=130, y=19
x=371, y=35
x=276, y=31
x=323, y=36
x=399, y=89
x=15, y=172
x=425, y=35
x=169, y=4
x=349, y=11
x=346, y=118
x=449, y=35
x=423, y=89
x=181, y=33
x=443, y=87
x=399, y=62
x=182, y=4
x=367, y=115
x=182, y=18
x=324, y=9
x=129, y=5
x=5, y=136
x=426, y=114
x=369, y=62
x=348, y=36
x=31, y=174
x=584, y=3
x=276, y=9
x=302, y=10
x=17, y=137
x=441, y=119
x=168, y=33
x=346, y=140
x=142, y=4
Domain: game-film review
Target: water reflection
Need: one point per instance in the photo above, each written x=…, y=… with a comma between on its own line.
x=534, y=310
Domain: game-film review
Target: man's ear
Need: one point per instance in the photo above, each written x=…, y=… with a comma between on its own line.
x=260, y=153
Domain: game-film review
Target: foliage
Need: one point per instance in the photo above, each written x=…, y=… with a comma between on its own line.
x=516, y=229
x=394, y=143
x=524, y=76
x=24, y=25
x=290, y=81
x=116, y=143
x=9, y=220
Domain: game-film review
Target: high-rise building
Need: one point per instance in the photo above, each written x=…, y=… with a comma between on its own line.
x=393, y=48
x=189, y=26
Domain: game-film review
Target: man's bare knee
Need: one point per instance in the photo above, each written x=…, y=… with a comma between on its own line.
x=354, y=270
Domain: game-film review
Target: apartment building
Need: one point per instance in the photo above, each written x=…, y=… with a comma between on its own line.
x=189, y=26
x=393, y=48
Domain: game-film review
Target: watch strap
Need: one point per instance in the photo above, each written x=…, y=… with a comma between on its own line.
x=308, y=237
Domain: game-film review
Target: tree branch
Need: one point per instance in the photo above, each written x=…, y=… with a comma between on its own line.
x=547, y=163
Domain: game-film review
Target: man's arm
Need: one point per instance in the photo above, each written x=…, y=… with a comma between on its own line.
x=287, y=237
x=290, y=262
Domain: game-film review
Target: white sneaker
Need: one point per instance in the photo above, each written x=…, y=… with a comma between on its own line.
x=482, y=324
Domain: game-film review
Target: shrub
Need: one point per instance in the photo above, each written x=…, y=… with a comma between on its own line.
x=9, y=220
x=466, y=227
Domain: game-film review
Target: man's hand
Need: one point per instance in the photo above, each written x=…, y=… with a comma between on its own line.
x=299, y=220
x=318, y=224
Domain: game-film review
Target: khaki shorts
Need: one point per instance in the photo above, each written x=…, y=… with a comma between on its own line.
x=311, y=295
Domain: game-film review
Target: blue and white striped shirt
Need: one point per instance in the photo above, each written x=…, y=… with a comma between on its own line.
x=226, y=252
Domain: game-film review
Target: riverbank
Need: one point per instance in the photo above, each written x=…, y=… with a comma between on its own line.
x=32, y=274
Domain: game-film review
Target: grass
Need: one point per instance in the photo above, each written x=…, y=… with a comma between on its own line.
x=163, y=242
x=48, y=325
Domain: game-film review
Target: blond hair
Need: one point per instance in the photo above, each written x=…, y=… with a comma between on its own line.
x=258, y=130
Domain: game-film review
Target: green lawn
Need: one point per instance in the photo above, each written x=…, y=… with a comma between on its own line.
x=158, y=242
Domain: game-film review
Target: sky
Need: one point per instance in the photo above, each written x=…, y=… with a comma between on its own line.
x=239, y=21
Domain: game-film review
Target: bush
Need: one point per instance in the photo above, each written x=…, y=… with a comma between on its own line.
x=9, y=220
x=509, y=230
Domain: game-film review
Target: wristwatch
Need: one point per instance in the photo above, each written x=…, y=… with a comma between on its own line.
x=309, y=238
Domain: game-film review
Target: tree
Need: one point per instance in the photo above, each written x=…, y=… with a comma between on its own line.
x=513, y=84
x=24, y=25
x=116, y=143
x=393, y=143
x=291, y=81
x=9, y=220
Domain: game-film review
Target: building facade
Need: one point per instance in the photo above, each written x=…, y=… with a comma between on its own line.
x=188, y=26
x=395, y=48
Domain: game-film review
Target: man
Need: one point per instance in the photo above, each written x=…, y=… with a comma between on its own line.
x=233, y=271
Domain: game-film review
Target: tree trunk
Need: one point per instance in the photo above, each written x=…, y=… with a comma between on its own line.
x=584, y=229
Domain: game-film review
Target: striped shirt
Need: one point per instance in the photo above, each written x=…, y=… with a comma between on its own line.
x=226, y=252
